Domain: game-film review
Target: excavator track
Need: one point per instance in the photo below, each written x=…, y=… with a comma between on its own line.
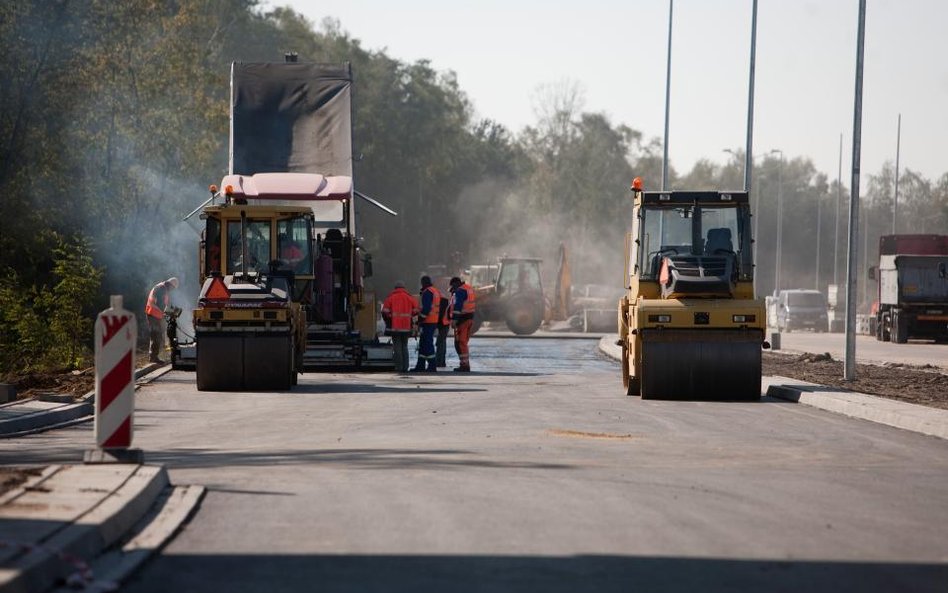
x=701, y=365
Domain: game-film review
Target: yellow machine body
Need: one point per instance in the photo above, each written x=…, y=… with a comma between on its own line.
x=689, y=324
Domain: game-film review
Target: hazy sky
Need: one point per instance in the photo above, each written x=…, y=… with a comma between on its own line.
x=502, y=51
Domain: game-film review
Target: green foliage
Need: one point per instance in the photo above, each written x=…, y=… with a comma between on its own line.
x=50, y=328
x=114, y=119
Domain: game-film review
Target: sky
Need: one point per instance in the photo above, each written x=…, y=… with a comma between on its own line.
x=503, y=51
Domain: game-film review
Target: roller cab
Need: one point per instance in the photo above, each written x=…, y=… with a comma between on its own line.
x=689, y=324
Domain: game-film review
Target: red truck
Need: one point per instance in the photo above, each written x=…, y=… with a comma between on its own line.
x=913, y=288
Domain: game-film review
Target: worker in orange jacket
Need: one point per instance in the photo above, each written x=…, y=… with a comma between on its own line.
x=441, y=337
x=428, y=320
x=399, y=311
x=462, y=320
x=158, y=299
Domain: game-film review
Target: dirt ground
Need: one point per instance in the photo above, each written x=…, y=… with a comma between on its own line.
x=924, y=385
x=75, y=383
x=12, y=477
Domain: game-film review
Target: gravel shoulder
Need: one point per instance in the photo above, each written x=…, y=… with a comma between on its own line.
x=924, y=385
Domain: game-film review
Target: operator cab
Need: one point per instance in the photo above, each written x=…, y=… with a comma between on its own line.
x=695, y=244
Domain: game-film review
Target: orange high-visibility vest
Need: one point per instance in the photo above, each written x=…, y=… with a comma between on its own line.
x=469, y=303
x=151, y=306
x=432, y=316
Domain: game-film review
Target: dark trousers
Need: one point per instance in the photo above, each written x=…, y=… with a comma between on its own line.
x=426, y=348
x=400, y=347
x=156, y=336
x=441, y=345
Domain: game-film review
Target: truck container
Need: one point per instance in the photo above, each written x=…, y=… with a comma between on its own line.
x=913, y=288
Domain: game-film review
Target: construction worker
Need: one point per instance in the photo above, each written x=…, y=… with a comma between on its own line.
x=462, y=319
x=441, y=338
x=428, y=320
x=400, y=310
x=158, y=299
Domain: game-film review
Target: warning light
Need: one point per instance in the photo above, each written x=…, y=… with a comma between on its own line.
x=217, y=291
x=637, y=184
x=212, y=189
x=229, y=190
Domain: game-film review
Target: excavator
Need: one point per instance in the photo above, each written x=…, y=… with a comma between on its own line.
x=690, y=325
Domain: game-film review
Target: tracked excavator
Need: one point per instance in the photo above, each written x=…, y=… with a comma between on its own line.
x=690, y=326
x=281, y=262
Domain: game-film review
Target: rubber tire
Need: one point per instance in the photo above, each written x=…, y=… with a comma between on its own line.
x=523, y=325
x=886, y=329
x=629, y=383
x=899, y=329
x=476, y=323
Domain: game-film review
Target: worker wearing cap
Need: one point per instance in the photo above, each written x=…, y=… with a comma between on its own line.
x=158, y=299
x=462, y=320
x=428, y=320
x=399, y=311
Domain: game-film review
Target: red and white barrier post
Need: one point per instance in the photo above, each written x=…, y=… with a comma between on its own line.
x=116, y=332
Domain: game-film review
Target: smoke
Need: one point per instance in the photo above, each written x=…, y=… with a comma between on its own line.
x=154, y=244
x=514, y=222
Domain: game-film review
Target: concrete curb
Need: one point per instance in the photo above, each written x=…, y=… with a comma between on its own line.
x=59, y=553
x=913, y=417
x=67, y=414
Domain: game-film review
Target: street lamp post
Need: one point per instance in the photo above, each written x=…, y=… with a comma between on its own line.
x=779, y=249
x=755, y=211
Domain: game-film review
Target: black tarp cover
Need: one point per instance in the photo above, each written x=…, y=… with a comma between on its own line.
x=291, y=117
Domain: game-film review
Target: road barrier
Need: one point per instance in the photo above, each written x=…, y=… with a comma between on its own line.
x=115, y=336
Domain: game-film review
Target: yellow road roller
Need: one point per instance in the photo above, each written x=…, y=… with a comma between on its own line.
x=690, y=326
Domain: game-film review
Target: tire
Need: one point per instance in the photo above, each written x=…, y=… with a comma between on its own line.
x=523, y=316
x=899, y=328
x=629, y=383
x=477, y=322
x=886, y=328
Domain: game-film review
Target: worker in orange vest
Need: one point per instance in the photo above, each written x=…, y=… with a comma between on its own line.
x=444, y=325
x=462, y=320
x=428, y=320
x=399, y=311
x=158, y=299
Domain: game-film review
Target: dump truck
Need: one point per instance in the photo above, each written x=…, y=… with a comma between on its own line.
x=690, y=325
x=913, y=288
x=281, y=263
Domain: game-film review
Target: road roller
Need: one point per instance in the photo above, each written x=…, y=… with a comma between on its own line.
x=690, y=325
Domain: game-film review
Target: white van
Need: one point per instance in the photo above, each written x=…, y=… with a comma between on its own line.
x=801, y=309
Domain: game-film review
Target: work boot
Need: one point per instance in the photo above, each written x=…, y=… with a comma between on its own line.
x=418, y=368
x=432, y=369
x=462, y=369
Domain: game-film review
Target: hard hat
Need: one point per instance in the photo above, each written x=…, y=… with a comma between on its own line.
x=172, y=281
x=399, y=284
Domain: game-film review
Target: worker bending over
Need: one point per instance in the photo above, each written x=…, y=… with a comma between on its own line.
x=158, y=300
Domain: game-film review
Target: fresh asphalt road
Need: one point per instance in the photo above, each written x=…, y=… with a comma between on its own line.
x=533, y=473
